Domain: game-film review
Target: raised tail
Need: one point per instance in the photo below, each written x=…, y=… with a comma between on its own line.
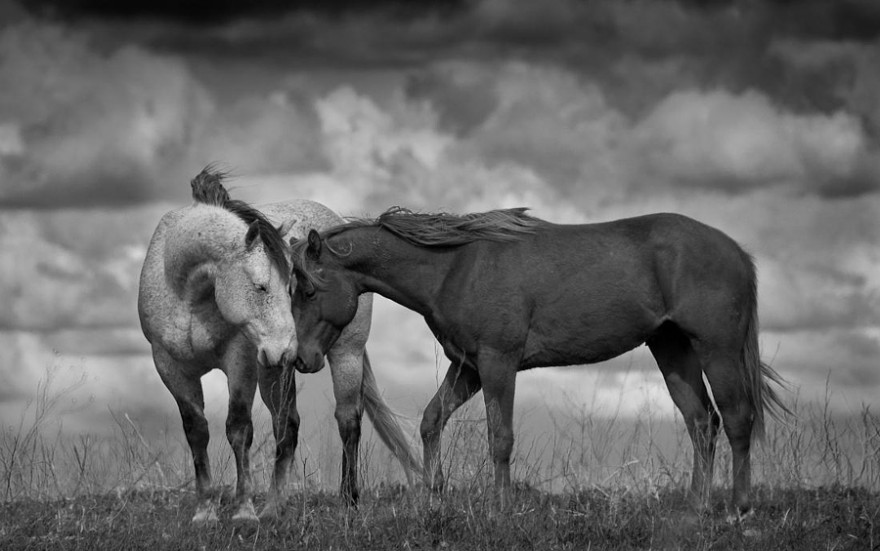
x=758, y=375
x=386, y=425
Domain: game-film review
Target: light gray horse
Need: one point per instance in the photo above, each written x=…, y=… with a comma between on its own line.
x=215, y=294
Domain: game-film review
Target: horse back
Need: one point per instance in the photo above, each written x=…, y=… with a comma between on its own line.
x=301, y=215
x=659, y=254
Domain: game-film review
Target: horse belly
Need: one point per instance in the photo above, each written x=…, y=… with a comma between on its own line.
x=584, y=348
x=590, y=330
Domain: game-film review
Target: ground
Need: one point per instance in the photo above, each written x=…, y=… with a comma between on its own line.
x=400, y=518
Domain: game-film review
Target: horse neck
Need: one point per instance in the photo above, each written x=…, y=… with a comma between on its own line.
x=196, y=247
x=386, y=264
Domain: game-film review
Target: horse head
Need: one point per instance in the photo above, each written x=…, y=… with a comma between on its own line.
x=253, y=294
x=324, y=301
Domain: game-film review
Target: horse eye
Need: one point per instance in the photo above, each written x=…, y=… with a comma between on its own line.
x=261, y=288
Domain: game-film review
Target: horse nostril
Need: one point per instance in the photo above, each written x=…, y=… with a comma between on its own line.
x=299, y=364
x=261, y=358
x=287, y=358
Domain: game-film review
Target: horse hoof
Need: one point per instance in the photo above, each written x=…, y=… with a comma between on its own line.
x=206, y=514
x=436, y=484
x=351, y=500
x=271, y=511
x=246, y=513
x=741, y=516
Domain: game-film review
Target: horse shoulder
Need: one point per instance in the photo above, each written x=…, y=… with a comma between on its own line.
x=478, y=290
x=167, y=320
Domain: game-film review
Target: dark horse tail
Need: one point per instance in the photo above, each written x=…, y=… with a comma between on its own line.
x=758, y=374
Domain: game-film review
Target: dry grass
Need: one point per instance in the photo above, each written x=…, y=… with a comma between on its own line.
x=592, y=482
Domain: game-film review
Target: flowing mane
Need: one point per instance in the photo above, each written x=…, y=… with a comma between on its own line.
x=207, y=188
x=448, y=230
x=428, y=230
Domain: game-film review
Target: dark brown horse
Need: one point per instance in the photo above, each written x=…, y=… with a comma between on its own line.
x=503, y=291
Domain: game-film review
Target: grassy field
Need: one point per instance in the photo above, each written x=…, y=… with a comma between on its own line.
x=594, y=483
x=393, y=518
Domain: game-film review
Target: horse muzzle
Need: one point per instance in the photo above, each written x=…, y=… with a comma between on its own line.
x=288, y=358
x=311, y=367
x=283, y=360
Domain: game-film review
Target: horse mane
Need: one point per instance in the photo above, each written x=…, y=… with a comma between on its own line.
x=448, y=230
x=207, y=188
x=428, y=230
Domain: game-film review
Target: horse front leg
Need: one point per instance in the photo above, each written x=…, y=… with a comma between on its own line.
x=278, y=390
x=241, y=379
x=459, y=385
x=499, y=383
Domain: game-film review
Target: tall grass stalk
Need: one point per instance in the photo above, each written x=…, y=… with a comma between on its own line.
x=584, y=450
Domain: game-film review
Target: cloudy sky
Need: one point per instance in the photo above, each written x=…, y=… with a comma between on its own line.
x=759, y=117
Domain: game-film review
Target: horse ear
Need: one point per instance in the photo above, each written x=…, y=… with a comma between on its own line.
x=251, y=236
x=285, y=226
x=314, y=250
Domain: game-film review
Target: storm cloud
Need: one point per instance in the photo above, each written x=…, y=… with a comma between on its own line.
x=198, y=12
x=759, y=118
x=741, y=94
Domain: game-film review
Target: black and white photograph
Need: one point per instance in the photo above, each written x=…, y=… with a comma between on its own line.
x=449, y=274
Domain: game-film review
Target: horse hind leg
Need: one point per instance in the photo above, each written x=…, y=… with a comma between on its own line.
x=725, y=374
x=681, y=370
x=278, y=390
x=187, y=392
x=347, y=369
